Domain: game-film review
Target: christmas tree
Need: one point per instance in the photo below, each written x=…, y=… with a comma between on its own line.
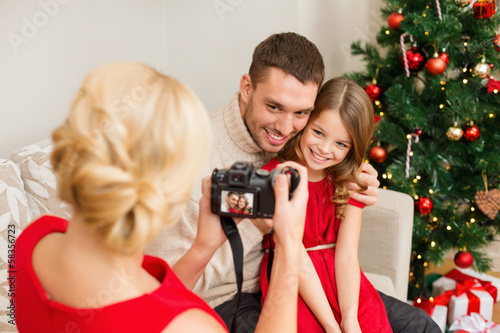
x=437, y=135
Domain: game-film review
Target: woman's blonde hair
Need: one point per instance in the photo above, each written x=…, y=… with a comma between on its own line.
x=356, y=112
x=129, y=152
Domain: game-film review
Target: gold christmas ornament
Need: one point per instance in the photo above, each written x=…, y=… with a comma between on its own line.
x=462, y=3
x=482, y=69
x=454, y=133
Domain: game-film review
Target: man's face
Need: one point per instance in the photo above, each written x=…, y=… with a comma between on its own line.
x=232, y=200
x=277, y=109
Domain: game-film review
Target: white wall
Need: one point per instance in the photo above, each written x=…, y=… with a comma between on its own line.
x=207, y=44
x=48, y=46
x=211, y=41
x=333, y=25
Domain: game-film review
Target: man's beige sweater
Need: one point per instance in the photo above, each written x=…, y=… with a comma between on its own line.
x=231, y=142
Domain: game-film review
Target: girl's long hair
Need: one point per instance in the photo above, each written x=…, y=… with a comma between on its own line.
x=356, y=112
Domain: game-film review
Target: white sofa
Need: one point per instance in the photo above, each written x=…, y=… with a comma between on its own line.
x=28, y=190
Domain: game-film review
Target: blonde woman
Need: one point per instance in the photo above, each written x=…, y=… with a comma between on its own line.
x=126, y=159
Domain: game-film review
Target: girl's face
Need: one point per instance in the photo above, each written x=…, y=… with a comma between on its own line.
x=241, y=203
x=324, y=143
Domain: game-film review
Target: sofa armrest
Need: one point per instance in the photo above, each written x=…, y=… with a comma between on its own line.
x=385, y=240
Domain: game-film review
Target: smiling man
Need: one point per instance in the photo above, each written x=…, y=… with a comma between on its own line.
x=277, y=108
x=273, y=104
x=231, y=201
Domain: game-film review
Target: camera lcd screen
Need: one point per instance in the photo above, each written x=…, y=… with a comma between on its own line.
x=237, y=203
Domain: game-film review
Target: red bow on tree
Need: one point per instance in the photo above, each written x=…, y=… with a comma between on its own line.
x=492, y=85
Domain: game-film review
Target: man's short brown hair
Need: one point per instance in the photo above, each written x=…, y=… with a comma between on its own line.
x=292, y=53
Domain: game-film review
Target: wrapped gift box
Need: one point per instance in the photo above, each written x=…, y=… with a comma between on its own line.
x=437, y=312
x=484, y=9
x=439, y=316
x=468, y=298
x=474, y=323
x=449, y=282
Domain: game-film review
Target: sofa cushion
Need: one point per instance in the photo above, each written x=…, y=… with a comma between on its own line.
x=382, y=283
x=14, y=216
x=385, y=239
x=39, y=180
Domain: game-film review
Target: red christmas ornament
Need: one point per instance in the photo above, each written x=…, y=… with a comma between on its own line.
x=443, y=55
x=373, y=91
x=496, y=42
x=394, y=20
x=416, y=59
x=417, y=131
x=463, y=259
x=436, y=65
x=423, y=205
x=378, y=154
x=471, y=132
x=483, y=9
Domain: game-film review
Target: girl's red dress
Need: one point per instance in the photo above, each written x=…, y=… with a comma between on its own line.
x=322, y=228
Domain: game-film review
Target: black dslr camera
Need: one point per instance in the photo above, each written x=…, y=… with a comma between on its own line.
x=245, y=192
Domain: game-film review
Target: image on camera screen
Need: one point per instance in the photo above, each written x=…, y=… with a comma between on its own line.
x=237, y=203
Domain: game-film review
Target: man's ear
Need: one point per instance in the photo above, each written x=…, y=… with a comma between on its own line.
x=245, y=88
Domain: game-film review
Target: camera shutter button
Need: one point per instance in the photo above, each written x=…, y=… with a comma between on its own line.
x=262, y=173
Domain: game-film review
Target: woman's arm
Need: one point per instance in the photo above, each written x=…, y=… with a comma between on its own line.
x=313, y=294
x=279, y=313
x=280, y=309
x=209, y=238
x=347, y=271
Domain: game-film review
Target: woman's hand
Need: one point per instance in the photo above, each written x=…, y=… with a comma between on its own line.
x=369, y=176
x=210, y=235
x=289, y=215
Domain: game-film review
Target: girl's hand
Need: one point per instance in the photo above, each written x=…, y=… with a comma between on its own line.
x=333, y=329
x=350, y=325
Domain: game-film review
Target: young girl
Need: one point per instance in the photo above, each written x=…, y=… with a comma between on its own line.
x=335, y=294
x=243, y=205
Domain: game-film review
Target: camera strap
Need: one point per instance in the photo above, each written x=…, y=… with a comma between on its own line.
x=270, y=259
x=234, y=238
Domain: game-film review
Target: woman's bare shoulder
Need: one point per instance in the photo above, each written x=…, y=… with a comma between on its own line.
x=194, y=320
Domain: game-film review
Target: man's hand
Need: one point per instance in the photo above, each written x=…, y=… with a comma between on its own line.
x=369, y=176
